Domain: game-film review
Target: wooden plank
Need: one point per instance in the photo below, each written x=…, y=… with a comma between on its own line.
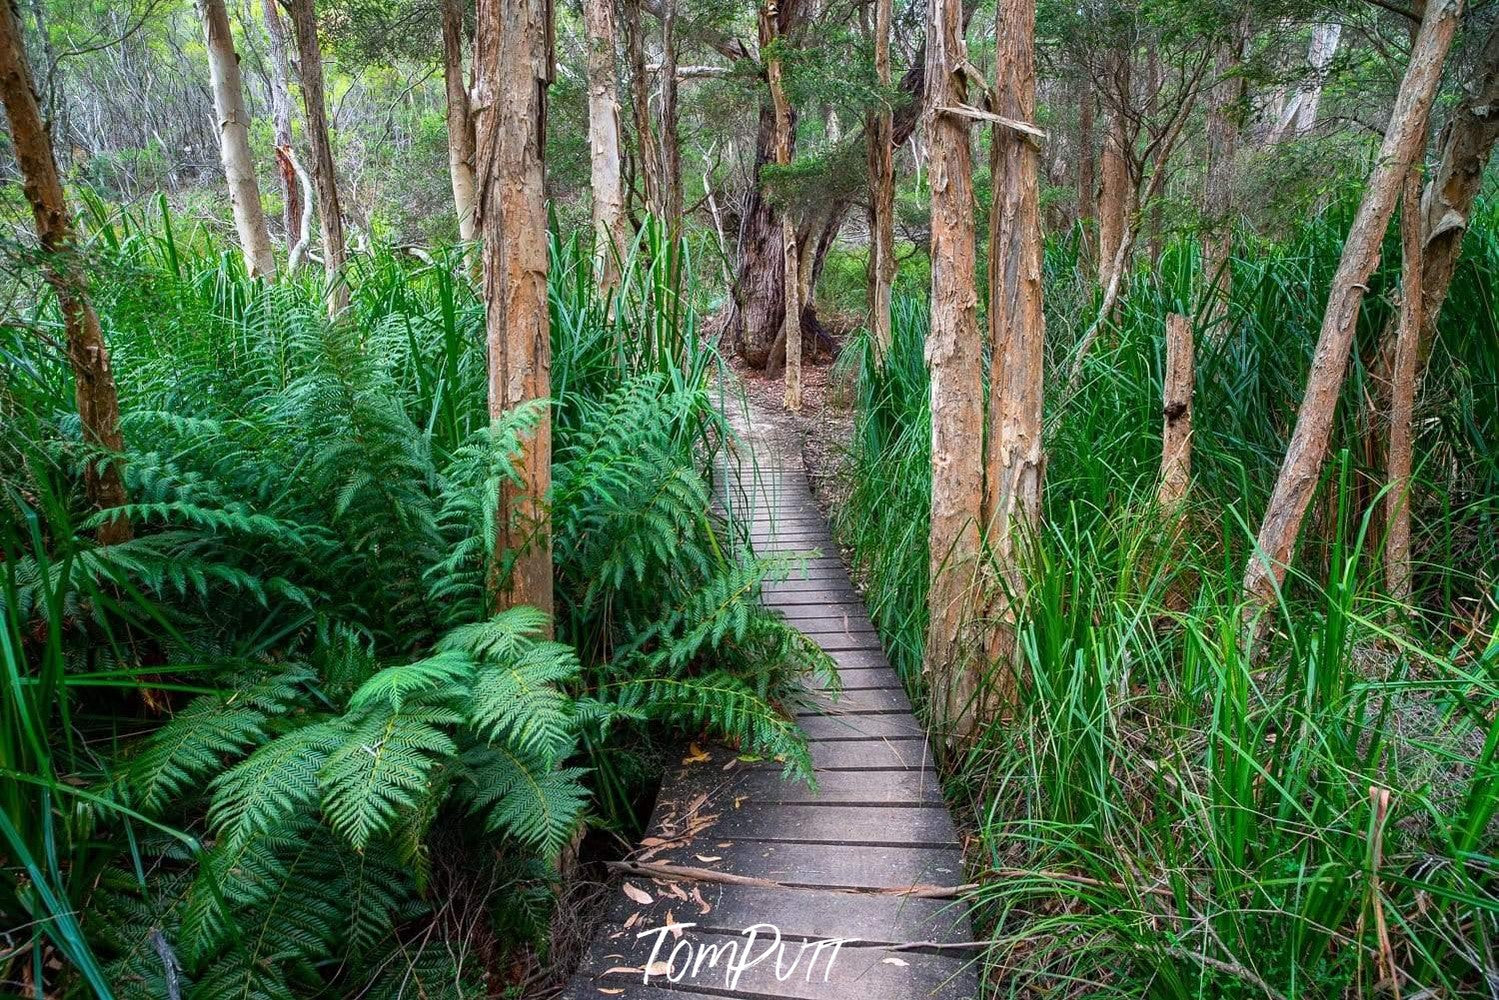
x=836, y=642
x=817, y=591
x=872, y=755
x=800, y=913
x=854, y=974
x=821, y=823
x=893, y=788
x=873, y=677
x=865, y=701
x=859, y=659
x=860, y=727
x=824, y=865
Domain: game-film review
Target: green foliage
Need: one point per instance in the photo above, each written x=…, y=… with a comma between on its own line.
x=1172, y=817
x=297, y=658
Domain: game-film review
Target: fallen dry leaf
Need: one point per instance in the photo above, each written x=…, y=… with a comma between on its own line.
x=657, y=969
x=702, y=904
x=708, y=858
x=895, y=961
x=638, y=895
x=610, y=992
x=695, y=754
x=634, y=919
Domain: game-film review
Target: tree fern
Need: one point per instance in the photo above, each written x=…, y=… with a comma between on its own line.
x=525, y=795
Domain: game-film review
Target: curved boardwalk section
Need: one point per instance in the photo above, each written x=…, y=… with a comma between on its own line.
x=748, y=885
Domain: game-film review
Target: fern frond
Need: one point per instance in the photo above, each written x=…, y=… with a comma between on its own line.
x=193, y=745
x=277, y=781
x=516, y=699
x=385, y=766
x=525, y=796
x=445, y=673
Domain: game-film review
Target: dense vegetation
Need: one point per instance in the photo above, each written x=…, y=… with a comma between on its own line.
x=285, y=708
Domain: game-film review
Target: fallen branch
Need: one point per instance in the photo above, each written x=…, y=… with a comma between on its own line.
x=979, y=114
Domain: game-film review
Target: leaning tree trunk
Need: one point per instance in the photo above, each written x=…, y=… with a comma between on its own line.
x=93, y=381
x=1218, y=193
x=291, y=190
x=234, y=141
x=460, y=126
x=514, y=69
x=324, y=175
x=1302, y=467
x=879, y=130
x=791, y=284
x=1017, y=339
x=611, y=226
x=953, y=355
x=1398, y=462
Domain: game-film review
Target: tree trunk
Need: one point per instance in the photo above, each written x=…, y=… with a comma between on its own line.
x=1218, y=195
x=291, y=190
x=791, y=284
x=1320, y=54
x=1176, y=435
x=1403, y=395
x=881, y=194
x=611, y=228
x=1302, y=467
x=1113, y=202
x=1017, y=338
x=647, y=153
x=234, y=141
x=954, y=356
x=324, y=175
x=671, y=145
x=1087, y=142
x=460, y=126
x=93, y=381
x=513, y=53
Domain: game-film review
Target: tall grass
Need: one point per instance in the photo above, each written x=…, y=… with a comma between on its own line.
x=1163, y=816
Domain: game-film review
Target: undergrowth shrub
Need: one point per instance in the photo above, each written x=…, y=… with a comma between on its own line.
x=1163, y=816
x=261, y=748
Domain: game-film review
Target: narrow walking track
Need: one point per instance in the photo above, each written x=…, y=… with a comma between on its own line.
x=809, y=867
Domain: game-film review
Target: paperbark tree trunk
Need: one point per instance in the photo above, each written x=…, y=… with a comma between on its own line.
x=514, y=58
x=93, y=381
x=460, y=126
x=671, y=146
x=1176, y=434
x=324, y=174
x=1114, y=193
x=1017, y=338
x=234, y=141
x=791, y=284
x=291, y=189
x=1087, y=142
x=878, y=131
x=647, y=152
x=1302, y=466
x=1320, y=54
x=611, y=226
x=1218, y=194
x=953, y=355
x=1403, y=395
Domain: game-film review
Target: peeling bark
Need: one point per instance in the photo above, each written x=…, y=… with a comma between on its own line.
x=291, y=190
x=324, y=174
x=791, y=284
x=1302, y=467
x=647, y=153
x=953, y=355
x=1398, y=462
x=611, y=226
x=1017, y=338
x=514, y=58
x=879, y=129
x=1224, y=101
x=460, y=125
x=1176, y=396
x=234, y=141
x=93, y=380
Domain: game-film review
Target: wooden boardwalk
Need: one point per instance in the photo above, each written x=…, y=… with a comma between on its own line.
x=824, y=877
